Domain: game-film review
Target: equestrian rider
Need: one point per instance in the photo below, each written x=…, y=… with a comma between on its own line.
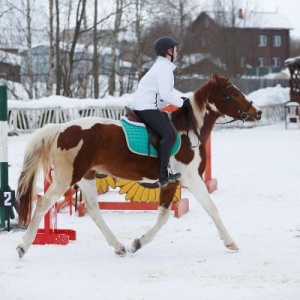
x=153, y=92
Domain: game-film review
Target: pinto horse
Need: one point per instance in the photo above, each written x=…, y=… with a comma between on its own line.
x=77, y=149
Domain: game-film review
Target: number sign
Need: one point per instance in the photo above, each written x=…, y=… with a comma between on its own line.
x=7, y=198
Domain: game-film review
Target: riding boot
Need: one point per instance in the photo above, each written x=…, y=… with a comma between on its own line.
x=163, y=161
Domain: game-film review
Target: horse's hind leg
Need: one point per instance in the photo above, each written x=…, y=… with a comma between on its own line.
x=52, y=195
x=88, y=188
x=166, y=196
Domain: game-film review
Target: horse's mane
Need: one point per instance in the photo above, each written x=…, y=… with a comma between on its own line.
x=183, y=118
x=202, y=94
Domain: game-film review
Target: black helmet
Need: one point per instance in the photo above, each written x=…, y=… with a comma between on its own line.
x=162, y=45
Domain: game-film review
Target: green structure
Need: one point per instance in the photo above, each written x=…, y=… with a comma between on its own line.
x=7, y=196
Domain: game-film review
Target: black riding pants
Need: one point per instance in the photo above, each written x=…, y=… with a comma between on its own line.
x=155, y=119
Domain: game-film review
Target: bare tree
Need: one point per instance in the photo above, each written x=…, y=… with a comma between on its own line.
x=114, y=46
x=51, y=49
x=95, y=52
x=138, y=34
x=84, y=84
x=57, y=49
x=25, y=10
x=80, y=11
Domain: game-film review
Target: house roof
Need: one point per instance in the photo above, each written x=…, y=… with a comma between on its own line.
x=292, y=60
x=262, y=20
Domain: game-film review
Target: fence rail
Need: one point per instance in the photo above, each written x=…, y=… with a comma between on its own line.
x=23, y=120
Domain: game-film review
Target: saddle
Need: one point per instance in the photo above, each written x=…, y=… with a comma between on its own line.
x=153, y=137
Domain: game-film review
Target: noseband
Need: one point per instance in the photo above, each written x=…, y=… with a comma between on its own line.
x=243, y=114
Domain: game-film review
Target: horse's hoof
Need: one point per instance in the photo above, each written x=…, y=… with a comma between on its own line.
x=232, y=246
x=121, y=251
x=136, y=245
x=21, y=251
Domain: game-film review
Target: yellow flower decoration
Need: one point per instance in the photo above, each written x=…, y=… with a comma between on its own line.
x=103, y=182
x=143, y=192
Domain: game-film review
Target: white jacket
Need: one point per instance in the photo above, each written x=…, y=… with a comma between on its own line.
x=155, y=88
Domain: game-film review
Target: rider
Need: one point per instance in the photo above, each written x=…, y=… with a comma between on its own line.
x=155, y=91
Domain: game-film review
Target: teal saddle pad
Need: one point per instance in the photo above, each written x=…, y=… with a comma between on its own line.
x=137, y=138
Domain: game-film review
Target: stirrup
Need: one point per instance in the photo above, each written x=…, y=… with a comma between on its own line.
x=174, y=177
x=170, y=178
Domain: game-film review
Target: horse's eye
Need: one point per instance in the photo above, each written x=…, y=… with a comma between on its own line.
x=236, y=93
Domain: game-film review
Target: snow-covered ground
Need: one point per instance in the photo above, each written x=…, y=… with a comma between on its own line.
x=258, y=172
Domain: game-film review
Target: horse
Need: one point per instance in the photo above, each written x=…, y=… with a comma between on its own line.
x=77, y=149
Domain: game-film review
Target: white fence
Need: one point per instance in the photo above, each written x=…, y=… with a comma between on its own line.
x=22, y=119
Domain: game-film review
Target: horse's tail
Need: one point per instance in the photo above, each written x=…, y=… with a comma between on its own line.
x=37, y=157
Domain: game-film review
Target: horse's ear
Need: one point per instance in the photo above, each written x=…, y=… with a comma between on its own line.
x=214, y=78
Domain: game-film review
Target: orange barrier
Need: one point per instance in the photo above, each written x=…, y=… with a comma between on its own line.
x=50, y=234
x=211, y=183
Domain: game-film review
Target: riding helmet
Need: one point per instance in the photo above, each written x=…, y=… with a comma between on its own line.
x=162, y=45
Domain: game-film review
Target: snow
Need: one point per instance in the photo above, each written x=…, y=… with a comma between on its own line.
x=270, y=95
x=252, y=19
x=64, y=102
x=258, y=173
x=261, y=97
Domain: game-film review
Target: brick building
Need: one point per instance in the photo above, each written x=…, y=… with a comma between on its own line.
x=252, y=44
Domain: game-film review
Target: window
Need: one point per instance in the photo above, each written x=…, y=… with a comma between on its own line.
x=261, y=62
x=276, y=61
x=243, y=62
x=276, y=41
x=262, y=41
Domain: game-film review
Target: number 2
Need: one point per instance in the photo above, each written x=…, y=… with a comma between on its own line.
x=7, y=195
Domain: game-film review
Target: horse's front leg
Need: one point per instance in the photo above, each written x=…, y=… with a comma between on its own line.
x=166, y=195
x=88, y=188
x=198, y=189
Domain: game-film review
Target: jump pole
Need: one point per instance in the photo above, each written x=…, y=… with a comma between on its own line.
x=7, y=196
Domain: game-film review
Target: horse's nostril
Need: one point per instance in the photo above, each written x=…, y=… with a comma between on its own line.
x=259, y=112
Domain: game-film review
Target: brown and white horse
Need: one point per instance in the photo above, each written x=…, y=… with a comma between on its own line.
x=77, y=149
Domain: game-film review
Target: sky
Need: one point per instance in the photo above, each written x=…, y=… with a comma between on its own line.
x=257, y=199
x=289, y=8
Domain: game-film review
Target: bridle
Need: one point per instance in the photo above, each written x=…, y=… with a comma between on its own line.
x=243, y=114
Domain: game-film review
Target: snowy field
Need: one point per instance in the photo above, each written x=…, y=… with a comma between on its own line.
x=258, y=197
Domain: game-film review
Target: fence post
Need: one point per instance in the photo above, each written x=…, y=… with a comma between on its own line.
x=7, y=196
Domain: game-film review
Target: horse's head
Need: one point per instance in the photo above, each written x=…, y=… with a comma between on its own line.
x=230, y=101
